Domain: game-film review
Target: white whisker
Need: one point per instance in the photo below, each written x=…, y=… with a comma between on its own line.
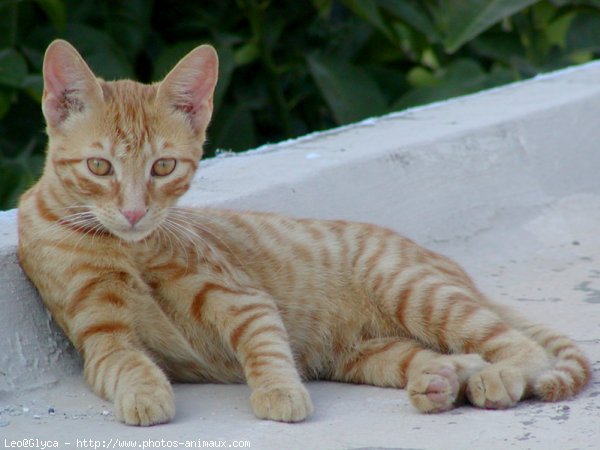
x=182, y=214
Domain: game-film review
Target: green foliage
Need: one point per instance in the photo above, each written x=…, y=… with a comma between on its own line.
x=287, y=67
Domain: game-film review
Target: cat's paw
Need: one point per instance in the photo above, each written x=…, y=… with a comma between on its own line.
x=439, y=384
x=435, y=389
x=145, y=404
x=285, y=404
x=496, y=387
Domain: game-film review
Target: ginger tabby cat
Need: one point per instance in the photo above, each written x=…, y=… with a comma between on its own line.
x=149, y=292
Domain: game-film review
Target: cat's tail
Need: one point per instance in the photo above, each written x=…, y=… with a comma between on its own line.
x=570, y=371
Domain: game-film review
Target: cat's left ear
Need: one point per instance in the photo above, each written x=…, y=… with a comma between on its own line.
x=70, y=86
x=190, y=86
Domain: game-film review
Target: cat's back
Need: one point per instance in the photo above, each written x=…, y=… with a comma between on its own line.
x=296, y=258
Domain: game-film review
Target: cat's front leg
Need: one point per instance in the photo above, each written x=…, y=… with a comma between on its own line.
x=252, y=328
x=141, y=393
x=102, y=324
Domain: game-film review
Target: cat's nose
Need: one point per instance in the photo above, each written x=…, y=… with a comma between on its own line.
x=134, y=215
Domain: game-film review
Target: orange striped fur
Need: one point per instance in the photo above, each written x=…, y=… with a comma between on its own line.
x=151, y=293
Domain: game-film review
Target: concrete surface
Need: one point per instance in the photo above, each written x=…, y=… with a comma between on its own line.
x=506, y=182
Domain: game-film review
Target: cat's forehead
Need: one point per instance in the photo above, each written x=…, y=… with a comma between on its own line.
x=130, y=117
x=132, y=126
x=132, y=150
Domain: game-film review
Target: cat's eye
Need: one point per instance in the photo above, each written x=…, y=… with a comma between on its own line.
x=100, y=167
x=163, y=167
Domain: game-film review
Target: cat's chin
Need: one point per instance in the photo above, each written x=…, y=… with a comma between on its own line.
x=132, y=235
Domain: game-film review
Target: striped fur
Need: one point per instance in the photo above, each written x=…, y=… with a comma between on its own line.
x=149, y=292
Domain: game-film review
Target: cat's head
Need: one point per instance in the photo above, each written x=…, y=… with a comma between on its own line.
x=123, y=151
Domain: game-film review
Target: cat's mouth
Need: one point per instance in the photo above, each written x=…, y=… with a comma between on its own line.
x=132, y=234
x=125, y=232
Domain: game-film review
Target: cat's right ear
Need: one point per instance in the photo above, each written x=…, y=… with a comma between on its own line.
x=189, y=87
x=69, y=84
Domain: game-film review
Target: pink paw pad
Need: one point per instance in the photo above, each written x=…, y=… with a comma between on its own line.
x=437, y=390
x=494, y=405
x=434, y=390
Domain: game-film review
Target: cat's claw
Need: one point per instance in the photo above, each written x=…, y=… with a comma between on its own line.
x=145, y=405
x=284, y=404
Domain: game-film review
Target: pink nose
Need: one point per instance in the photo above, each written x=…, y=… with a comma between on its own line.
x=134, y=215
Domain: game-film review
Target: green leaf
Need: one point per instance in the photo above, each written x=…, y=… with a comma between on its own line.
x=499, y=46
x=170, y=56
x=368, y=10
x=226, y=69
x=323, y=7
x=247, y=53
x=462, y=77
x=580, y=57
x=34, y=57
x=13, y=68
x=102, y=53
x=8, y=24
x=10, y=180
x=584, y=33
x=348, y=90
x=542, y=14
x=419, y=76
x=592, y=3
x=414, y=14
x=392, y=82
x=557, y=30
x=461, y=20
x=34, y=86
x=56, y=11
x=18, y=174
x=5, y=100
x=233, y=129
x=129, y=24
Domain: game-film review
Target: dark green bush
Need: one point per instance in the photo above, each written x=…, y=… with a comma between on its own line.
x=287, y=67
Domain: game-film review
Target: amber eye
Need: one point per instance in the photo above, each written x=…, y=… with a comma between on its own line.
x=163, y=167
x=99, y=166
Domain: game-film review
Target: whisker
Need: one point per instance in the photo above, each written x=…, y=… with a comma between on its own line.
x=183, y=214
x=176, y=231
x=84, y=222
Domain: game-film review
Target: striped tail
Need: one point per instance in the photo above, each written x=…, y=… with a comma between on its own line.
x=571, y=371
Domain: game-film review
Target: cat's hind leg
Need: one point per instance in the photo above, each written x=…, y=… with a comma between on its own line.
x=432, y=300
x=434, y=382
x=456, y=319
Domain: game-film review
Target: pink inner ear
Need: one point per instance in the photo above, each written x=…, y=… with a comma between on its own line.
x=55, y=83
x=189, y=86
x=54, y=111
x=187, y=108
x=196, y=103
x=59, y=73
x=66, y=83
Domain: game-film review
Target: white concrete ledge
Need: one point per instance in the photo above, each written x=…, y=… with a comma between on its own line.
x=505, y=181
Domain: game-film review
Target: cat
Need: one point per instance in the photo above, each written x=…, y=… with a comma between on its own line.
x=150, y=293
